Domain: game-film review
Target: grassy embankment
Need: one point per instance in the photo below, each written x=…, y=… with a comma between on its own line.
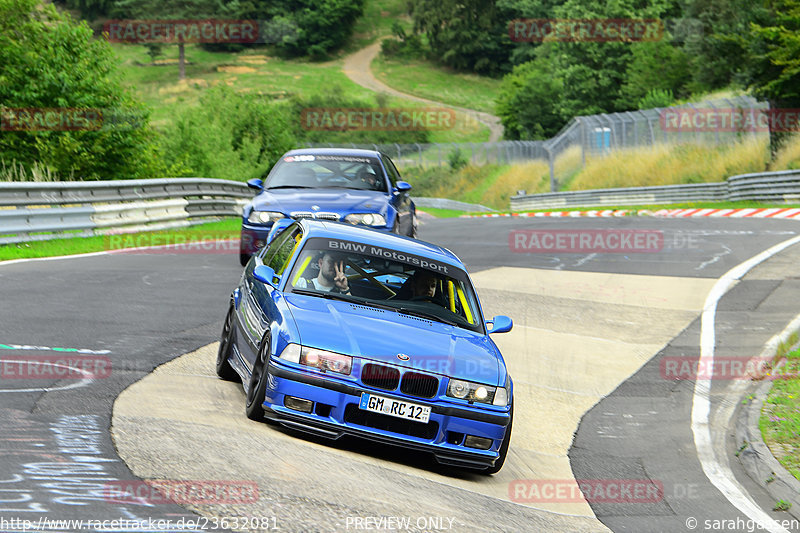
x=780, y=415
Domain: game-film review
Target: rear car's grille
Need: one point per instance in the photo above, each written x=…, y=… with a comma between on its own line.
x=382, y=377
x=360, y=417
x=309, y=214
x=421, y=385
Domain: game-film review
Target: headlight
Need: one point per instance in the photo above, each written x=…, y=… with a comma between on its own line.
x=326, y=361
x=476, y=392
x=368, y=219
x=264, y=217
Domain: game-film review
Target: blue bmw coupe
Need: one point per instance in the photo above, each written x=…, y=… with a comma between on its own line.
x=360, y=187
x=339, y=329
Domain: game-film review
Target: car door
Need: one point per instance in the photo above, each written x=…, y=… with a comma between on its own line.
x=258, y=310
x=400, y=200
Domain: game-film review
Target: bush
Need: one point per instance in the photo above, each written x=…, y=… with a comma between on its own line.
x=229, y=135
x=50, y=61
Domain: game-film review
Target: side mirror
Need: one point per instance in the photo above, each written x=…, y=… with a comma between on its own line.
x=500, y=324
x=403, y=186
x=265, y=274
x=277, y=227
x=256, y=183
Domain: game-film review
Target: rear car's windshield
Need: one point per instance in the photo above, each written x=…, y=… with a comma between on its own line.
x=386, y=278
x=327, y=171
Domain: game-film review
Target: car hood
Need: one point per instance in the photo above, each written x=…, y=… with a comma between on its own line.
x=380, y=335
x=335, y=200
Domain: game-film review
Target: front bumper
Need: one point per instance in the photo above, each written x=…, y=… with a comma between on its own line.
x=336, y=413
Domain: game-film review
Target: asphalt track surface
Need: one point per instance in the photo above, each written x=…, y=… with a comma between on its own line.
x=142, y=310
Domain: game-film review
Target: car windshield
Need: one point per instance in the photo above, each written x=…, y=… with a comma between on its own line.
x=327, y=171
x=386, y=278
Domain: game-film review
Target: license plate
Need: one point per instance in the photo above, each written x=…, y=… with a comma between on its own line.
x=392, y=407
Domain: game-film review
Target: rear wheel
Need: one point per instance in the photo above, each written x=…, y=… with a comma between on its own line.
x=503, y=448
x=257, y=389
x=224, y=368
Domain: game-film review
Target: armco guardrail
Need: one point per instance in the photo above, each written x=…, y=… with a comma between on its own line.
x=45, y=210
x=776, y=187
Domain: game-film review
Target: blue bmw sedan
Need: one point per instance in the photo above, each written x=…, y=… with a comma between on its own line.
x=361, y=187
x=337, y=329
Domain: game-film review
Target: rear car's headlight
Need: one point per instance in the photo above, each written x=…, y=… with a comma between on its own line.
x=368, y=219
x=325, y=361
x=477, y=392
x=264, y=217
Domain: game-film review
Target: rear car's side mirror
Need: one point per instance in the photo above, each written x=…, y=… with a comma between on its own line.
x=256, y=183
x=500, y=324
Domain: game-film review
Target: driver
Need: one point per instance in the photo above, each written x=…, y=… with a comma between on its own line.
x=331, y=276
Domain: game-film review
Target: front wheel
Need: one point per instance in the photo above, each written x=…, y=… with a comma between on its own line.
x=257, y=389
x=243, y=258
x=503, y=448
x=224, y=368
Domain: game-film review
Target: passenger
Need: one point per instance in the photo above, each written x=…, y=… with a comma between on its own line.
x=331, y=277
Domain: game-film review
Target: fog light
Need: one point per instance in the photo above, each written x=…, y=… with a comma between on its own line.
x=298, y=404
x=481, y=443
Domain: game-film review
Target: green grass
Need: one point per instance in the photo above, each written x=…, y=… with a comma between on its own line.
x=442, y=213
x=224, y=229
x=780, y=416
x=423, y=79
x=253, y=71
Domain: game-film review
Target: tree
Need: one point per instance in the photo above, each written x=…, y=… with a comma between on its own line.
x=529, y=100
x=773, y=69
x=469, y=35
x=50, y=61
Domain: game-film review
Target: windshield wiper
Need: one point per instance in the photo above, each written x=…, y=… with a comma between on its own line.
x=423, y=314
x=344, y=297
x=288, y=187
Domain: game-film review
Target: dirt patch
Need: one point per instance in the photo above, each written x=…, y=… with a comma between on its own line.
x=235, y=69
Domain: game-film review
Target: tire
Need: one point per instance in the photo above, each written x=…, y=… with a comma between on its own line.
x=257, y=387
x=224, y=368
x=503, y=448
x=414, y=222
x=243, y=258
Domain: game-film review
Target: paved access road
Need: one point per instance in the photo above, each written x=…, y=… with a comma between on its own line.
x=586, y=328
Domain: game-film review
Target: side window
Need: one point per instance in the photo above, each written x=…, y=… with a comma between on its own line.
x=282, y=249
x=394, y=175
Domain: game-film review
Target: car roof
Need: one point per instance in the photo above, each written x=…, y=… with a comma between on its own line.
x=334, y=151
x=361, y=234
